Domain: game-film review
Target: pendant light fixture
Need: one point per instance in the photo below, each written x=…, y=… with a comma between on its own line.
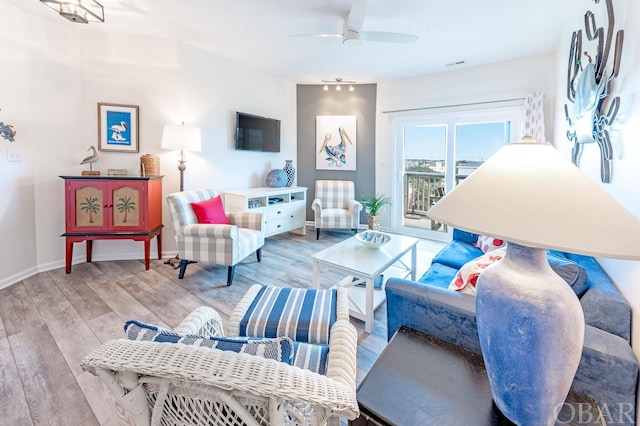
x=79, y=11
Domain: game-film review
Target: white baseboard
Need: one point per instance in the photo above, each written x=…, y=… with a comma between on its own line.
x=6, y=282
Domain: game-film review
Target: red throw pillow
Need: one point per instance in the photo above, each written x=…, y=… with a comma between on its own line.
x=211, y=211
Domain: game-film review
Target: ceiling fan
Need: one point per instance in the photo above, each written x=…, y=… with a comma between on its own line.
x=352, y=29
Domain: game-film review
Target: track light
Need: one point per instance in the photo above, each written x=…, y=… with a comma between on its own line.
x=338, y=83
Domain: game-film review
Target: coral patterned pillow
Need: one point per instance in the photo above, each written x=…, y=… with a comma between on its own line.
x=466, y=278
x=211, y=211
x=486, y=244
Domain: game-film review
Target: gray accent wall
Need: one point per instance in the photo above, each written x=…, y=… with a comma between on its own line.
x=312, y=101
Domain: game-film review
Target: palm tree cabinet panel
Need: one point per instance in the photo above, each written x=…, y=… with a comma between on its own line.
x=110, y=208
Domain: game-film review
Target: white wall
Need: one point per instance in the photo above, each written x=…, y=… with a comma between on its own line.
x=508, y=80
x=625, y=182
x=40, y=84
x=54, y=73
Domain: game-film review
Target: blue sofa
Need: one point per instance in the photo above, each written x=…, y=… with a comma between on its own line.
x=608, y=370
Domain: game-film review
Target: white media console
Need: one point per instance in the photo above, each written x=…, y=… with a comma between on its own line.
x=283, y=209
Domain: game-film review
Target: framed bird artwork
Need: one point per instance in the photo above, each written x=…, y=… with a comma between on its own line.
x=336, y=142
x=118, y=127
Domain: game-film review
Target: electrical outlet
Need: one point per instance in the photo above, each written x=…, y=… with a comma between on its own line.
x=14, y=156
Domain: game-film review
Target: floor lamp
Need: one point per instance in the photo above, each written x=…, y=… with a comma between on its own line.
x=530, y=322
x=183, y=138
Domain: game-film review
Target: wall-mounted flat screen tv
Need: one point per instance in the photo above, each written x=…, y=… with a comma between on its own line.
x=254, y=133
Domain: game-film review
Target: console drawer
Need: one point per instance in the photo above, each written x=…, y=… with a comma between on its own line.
x=281, y=225
x=281, y=211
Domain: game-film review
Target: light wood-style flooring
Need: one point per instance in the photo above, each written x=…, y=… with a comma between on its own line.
x=50, y=321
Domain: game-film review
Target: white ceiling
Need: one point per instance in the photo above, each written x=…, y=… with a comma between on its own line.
x=258, y=32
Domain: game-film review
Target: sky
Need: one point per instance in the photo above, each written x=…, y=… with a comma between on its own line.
x=474, y=142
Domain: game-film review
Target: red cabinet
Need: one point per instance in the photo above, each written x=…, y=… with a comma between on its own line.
x=112, y=207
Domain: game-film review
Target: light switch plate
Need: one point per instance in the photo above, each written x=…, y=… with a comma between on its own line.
x=14, y=156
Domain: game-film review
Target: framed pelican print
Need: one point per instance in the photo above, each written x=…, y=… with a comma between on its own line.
x=336, y=142
x=118, y=127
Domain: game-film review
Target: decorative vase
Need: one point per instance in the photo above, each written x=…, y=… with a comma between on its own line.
x=276, y=178
x=531, y=330
x=374, y=222
x=290, y=171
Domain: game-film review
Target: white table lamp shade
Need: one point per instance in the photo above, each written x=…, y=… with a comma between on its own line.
x=529, y=194
x=530, y=323
x=181, y=138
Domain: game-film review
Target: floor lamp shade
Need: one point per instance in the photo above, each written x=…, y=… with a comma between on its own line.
x=530, y=323
x=182, y=138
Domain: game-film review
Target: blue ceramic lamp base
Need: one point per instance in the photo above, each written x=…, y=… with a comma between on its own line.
x=531, y=329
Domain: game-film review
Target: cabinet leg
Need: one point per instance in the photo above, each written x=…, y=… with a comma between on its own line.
x=159, y=243
x=89, y=250
x=68, y=256
x=147, y=249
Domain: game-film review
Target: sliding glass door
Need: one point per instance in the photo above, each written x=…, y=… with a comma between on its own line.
x=435, y=153
x=424, y=169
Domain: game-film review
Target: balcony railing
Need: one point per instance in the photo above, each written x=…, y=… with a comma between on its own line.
x=421, y=191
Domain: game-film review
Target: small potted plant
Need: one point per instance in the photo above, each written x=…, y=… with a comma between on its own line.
x=372, y=205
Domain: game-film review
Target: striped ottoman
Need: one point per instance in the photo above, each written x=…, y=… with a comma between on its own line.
x=303, y=315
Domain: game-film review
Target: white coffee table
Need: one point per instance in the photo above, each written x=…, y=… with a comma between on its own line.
x=353, y=260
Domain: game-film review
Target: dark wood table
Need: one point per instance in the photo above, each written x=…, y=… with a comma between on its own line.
x=421, y=380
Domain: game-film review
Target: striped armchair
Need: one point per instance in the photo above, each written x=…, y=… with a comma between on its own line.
x=335, y=206
x=218, y=244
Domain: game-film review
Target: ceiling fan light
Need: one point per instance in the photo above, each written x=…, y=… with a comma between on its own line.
x=352, y=41
x=326, y=87
x=351, y=89
x=351, y=37
x=338, y=88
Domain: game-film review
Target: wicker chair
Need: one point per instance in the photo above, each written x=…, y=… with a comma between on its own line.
x=219, y=244
x=335, y=206
x=177, y=384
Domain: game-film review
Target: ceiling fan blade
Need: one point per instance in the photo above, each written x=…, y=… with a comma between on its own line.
x=385, y=37
x=355, y=20
x=318, y=35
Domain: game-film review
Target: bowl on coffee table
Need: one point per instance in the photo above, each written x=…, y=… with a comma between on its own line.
x=373, y=239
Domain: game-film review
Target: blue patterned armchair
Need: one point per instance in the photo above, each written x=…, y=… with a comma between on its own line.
x=209, y=243
x=335, y=206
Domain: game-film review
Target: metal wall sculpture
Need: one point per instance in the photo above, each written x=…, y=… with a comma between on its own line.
x=588, y=88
